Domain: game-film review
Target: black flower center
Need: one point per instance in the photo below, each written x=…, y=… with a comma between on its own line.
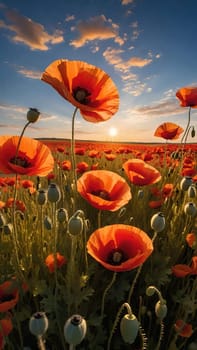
x=7, y=297
x=116, y=257
x=20, y=161
x=81, y=94
x=102, y=194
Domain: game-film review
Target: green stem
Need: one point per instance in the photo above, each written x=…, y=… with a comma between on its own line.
x=188, y=123
x=134, y=283
x=105, y=293
x=73, y=161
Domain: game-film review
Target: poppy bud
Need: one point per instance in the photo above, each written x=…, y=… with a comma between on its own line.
x=190, y=209
x=193, y=133
x=158, y=222
x=185, y=183
x=140, y=194
x=38, y=324
x=8, y=228
x=2, y=220
x=150, y=291
x=129, y=327
x=75, y=330
x=42, y=197
x=47, y=223
x=33, y=115
x=161, y=309
x=75, y=225
x=54, y=193
x=191, y=191
x=62, y=215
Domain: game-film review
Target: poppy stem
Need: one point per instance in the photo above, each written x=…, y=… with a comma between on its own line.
x=20, y=138
x=134, y=283
x=73, y=152
x=105, y=293
x=188, y=123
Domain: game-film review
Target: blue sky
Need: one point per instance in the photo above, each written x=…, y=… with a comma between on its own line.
x=148, y=47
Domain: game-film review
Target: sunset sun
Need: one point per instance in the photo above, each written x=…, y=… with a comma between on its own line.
x=113, y=131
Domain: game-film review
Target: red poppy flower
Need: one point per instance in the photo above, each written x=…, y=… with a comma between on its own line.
x=191, y=240
x=5, y=329
x=80, y=151
x=66, y=165
x=187, y=96
x=51, y=263
x=168, y=131
x=110, y=156
x=9, y=296
x=33, y=158
x=140, y=173
x=82, y=167
x=85, y=86
x=119, y=247
x=184, y=329
x=182, y=270
x=104, y=189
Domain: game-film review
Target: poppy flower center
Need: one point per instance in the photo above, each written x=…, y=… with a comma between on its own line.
x=81, y=94
x=116, y=257
x=20, y=161
x=7, y=297
x=102, y=194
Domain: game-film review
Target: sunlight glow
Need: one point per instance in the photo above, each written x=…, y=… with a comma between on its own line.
x=113, y=131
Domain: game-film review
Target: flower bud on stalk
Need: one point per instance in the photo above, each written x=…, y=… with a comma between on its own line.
x=75, y=330
x=158, y=222
x=54, y=193
x=191, y=191
x=33, y=115
x=42, y=197
x=185, y=183
x=129, y=327
x=2, y=220
x=160, y=306
x=75, y=225
x=62, y=215
x=190, y=209
x=47, y=223
x=38, y=324
x=8, y=228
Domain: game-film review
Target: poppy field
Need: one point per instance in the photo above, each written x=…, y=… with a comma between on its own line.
x=98, y=245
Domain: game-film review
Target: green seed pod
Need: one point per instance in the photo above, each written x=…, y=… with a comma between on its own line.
x=75, y=225
x=193, y=133
x=192, y=346
x=54, y=193
x=190, y=209
x=33, y=115
x=185, y=183
x=191, y=191
x=42, y=197
x=38, y=324
x=161, y=309
x=62, y=215
x=47, y=223
x=129, y=327
x=2, y=220
x=158, y=222
x=75, y=330
x=8, y=228
x=140, y=194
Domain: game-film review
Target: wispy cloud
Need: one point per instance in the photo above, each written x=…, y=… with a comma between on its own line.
x=69, y=18
x=126, y=2
x=96, y=28
x=168, y=106
x=28, y=32
x=31, y=74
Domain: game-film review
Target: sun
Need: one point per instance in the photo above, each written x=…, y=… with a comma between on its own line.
x=113, y=131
